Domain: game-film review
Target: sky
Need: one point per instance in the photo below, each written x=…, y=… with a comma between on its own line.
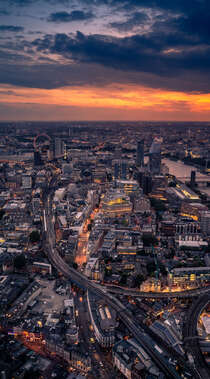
x=105, y=60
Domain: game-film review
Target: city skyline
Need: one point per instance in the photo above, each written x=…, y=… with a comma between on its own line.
x=104, y=60
x=105, y=250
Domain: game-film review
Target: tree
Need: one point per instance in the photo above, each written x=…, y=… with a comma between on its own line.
x=20, y=261
x=123, y=279
x=172, y=184
x=108, y=260
x=108, y=271
x=34, y=236
x=170, y=254
x=89, y=227
x=149, y=240
x=151, y=267
x=75, y=265
x=138, y=280
x=124, y=222
x=158, y=205
x=32, y=374
x=2, y=212
x=142, y=253
x=162, y=269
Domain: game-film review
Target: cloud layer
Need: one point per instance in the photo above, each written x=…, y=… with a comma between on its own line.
x=158, y=44
x=11, y=28
x=70, y=17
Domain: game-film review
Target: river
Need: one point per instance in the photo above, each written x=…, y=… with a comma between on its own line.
x=180, y=170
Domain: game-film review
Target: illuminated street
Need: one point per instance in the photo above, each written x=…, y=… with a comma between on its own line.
x=81, y=254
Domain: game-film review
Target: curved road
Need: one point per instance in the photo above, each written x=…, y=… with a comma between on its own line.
x=182, y=294
x=190, y=335
x=83, y=282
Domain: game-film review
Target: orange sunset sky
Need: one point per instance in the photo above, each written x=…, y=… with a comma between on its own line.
x=78, y=60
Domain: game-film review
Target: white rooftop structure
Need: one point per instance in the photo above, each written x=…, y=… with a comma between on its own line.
x=206, y=323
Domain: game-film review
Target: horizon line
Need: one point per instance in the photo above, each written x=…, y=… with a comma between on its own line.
x=117, y=121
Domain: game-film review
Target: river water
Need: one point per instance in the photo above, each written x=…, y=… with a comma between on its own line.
x=180, y=170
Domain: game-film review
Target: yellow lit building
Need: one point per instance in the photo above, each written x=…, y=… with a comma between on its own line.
x=116, y=203
x=189, y=276
x=128, y=186
x=192, y=210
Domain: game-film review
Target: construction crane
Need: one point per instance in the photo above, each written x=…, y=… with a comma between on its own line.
x=157, y=271
x=65, y=152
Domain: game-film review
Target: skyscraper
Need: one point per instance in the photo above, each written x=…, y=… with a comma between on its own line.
x=37, y=159
x=193, y=178
x=116, y=169
x=140, y=153
x=155, y=157
x=124, y=169
x=120, y=169
x=58, y=148
x=147, y=184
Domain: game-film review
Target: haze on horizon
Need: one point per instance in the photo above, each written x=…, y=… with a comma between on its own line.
x=105, y=60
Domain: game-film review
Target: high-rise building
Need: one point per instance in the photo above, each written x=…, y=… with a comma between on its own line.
x=50, y=152
x=145, y=181
x=26, y=182
x=155, y=157
x=124, y=169
x=120, y=169
x=205, y=222
x=140, y=153
x=193, y=178
x=116, y=170
x=58, y=148
x=37, y=159
x=147, y=184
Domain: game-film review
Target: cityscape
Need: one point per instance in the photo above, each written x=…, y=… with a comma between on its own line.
x=104, y=189
x=105, y=250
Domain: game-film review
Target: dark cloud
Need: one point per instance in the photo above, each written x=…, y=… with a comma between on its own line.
x=11, y=28
x=175, y=5
x=20, y=3
x=47, y=74
x=137, y=19
x=147, y=53
x=173, y=53
x=9, y=93
x=4, y=12
x=153, y=71
x=76, y=15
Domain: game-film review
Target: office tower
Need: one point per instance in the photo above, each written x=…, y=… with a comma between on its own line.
x=58, y=148
x=147, y=184
x=193, y=178
x=205, y=222
x=50, y=152
x=124, y=169
x=140, y=153
x=120, y=169
x=26, y=182
x=140, y=177
x=155, y=157
x=116, y=170
x=37, y=159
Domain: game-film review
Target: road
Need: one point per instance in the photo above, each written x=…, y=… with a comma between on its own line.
x=83, y=282
x=190, y=334
x=160, y=295
x=81, y=254
x=101, y=368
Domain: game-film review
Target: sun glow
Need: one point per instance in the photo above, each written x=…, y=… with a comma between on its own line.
x=120, y=97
